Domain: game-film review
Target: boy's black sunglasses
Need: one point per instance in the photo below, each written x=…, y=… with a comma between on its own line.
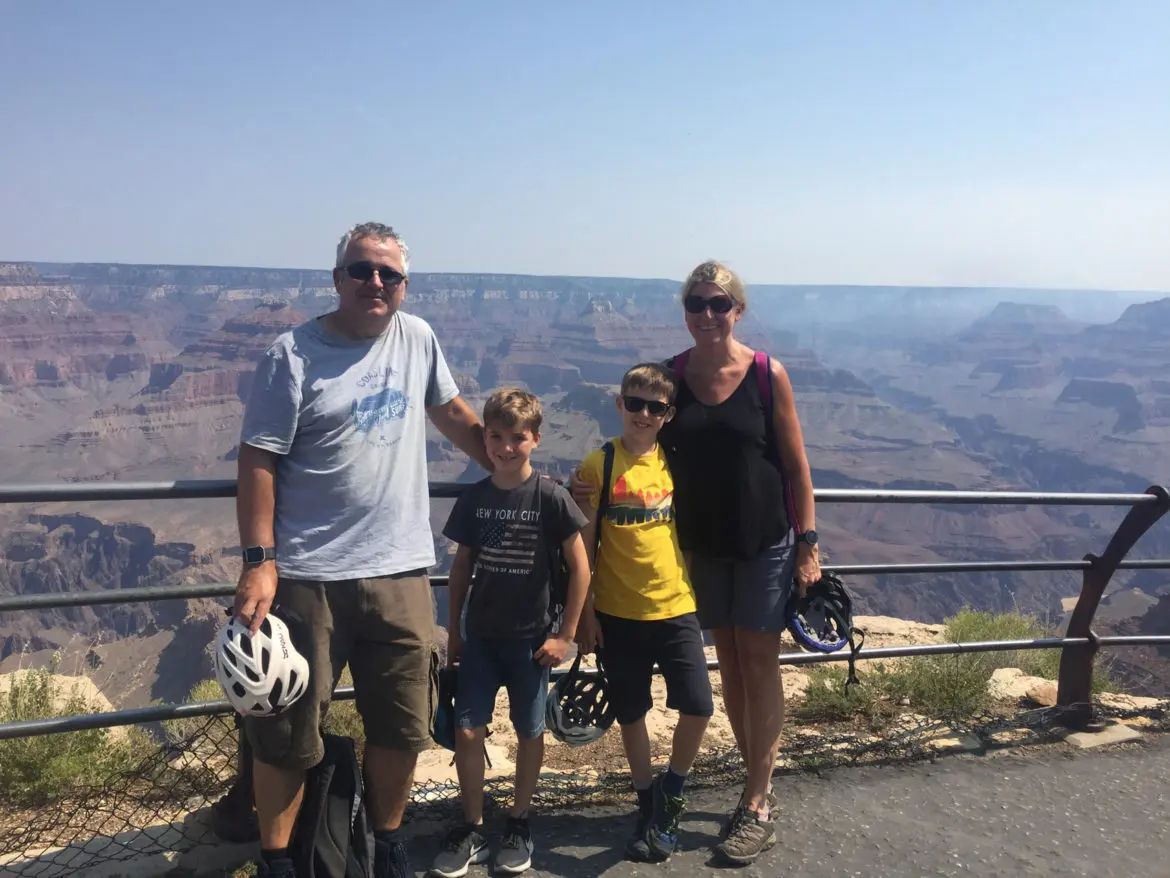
x=364, y=271
x=635, y=404
x=718, y=304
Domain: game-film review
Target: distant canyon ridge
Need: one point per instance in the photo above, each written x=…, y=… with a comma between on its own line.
x=134, y=372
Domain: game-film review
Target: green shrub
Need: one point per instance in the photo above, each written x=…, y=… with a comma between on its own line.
x=945, y=687
x=968, y=626
x=825, y=700
x=41, y=769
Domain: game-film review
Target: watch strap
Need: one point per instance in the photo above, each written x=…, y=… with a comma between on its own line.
x=259, y=554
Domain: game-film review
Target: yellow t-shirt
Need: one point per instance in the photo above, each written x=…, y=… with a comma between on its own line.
x=640, y=573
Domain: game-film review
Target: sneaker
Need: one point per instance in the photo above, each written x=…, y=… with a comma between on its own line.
x=462, y=846
x=515, y=854
x=731, y=819
x=662, y=833
x=636, y=847
x=749, y=836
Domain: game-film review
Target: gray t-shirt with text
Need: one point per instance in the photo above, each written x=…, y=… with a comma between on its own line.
x=514, y=535
x=348, y=419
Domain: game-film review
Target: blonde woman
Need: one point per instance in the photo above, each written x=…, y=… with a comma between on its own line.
x=746, y=521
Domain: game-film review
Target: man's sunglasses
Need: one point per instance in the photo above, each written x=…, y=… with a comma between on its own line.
x=364, y=271
x=718, y=304
x=635, y=404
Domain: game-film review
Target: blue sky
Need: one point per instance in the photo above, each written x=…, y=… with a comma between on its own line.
x=965, y=142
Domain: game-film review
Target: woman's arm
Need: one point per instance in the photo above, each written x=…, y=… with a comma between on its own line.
x=790, y=443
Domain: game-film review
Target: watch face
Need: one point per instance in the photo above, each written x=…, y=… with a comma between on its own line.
x=254, y=555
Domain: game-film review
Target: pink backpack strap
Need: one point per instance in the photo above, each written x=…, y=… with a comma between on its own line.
x=764, y=377
x=680, y=363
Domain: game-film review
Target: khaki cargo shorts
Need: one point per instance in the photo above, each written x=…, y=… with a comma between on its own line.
x=383, y=629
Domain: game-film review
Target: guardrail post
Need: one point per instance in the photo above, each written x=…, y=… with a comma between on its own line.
x=1075, y=686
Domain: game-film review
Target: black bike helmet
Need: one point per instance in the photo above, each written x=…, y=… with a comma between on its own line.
x=577, y=710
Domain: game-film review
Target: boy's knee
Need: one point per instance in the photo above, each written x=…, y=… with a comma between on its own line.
x=468, y=737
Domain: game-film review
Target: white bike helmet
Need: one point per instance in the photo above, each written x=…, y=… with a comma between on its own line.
x=261, y=674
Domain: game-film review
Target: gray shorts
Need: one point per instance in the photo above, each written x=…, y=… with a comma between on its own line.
x=747, y=594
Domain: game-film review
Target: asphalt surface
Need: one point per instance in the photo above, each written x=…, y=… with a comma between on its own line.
x=1097, y=813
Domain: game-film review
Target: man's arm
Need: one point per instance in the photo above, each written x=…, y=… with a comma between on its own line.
x=255, y=510
x=456, y=421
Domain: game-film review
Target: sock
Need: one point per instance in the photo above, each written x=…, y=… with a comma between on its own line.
x=273, y=855
x=389, y=854
x=645, y=799
x=673, y=782
x=386, y=836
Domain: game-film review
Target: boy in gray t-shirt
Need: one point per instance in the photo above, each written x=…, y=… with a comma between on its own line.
x=509, y=529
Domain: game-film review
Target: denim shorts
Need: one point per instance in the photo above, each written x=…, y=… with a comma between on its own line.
x=747, y=594
x=487, y=664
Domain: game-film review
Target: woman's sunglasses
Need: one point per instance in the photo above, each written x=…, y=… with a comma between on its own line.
x=696, y=304
x=364, y=271
x=635, y=404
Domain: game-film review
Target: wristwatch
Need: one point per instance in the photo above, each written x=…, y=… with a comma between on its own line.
x=809, y=536
x=259, y=554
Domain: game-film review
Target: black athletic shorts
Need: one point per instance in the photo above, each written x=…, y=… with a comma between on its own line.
x=632, y=647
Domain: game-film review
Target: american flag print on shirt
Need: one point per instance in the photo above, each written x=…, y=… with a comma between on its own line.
x=508, y=546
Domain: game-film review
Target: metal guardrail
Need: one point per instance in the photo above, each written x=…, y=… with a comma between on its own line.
x=1078, y=647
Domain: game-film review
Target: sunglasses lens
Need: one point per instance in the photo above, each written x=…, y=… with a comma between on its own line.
x=362, y=271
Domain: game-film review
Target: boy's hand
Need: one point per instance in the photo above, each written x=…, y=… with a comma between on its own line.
x=454, y=648
x=588, y=632
x=554, y=651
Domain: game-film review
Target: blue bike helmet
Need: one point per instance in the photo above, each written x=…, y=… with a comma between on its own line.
x=822, y=620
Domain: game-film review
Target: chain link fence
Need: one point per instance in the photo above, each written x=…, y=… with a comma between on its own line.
x=174, y=796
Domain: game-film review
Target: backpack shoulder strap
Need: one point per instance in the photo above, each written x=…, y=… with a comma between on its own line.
x=764, y=377
x=679, y=363
x=603, y=503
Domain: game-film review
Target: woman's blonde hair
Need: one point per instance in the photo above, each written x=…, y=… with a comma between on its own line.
x=712, y=272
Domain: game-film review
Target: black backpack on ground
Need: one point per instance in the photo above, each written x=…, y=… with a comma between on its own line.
x=333, y=837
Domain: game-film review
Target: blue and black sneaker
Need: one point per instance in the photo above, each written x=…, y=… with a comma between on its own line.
x=636, y=847
x=662, y=833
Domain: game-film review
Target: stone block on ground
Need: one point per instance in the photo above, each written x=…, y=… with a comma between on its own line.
x=1114, y=733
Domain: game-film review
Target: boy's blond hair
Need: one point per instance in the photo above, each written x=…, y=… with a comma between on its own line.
x=511, y=406
x=652, y=378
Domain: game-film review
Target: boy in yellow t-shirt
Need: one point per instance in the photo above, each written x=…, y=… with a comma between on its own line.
x=641, y=609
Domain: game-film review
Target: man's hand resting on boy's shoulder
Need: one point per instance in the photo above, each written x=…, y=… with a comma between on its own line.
x=554, y=651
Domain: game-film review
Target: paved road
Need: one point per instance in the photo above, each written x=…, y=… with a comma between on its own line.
x=1092, y=813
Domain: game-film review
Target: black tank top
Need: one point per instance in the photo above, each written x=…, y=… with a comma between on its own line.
x=728, y=482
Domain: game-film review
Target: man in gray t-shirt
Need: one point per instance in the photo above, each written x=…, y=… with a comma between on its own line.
x=334, y=519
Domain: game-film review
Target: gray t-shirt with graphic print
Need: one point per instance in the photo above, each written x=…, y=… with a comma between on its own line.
x=348, y=419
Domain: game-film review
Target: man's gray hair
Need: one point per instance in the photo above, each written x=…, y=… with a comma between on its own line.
x=373, y=230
